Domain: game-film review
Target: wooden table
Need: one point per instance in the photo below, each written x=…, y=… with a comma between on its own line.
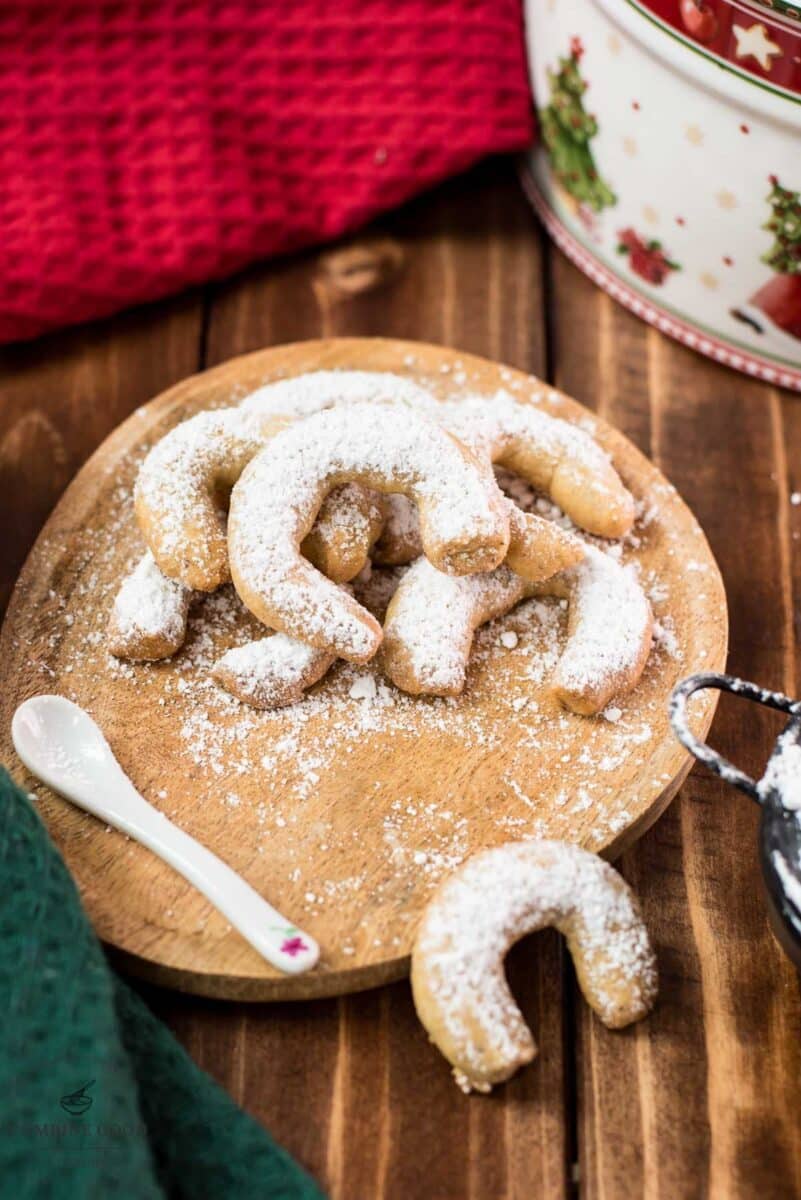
x=704, y=1097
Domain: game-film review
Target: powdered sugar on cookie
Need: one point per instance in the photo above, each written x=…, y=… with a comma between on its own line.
x=488, y=904
x=148, y=618
x=272, y=671
x=177, y=501
x=432, y=618
x=316, y=391
x=463, y=515
x=610, y=632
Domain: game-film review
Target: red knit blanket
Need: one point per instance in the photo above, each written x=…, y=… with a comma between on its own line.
x=150, y=144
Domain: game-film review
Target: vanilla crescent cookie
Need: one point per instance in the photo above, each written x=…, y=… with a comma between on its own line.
x=181, y=493
x=276, y=670
x=312, y=392
x=349, y=521
x=148, y=618
x=550, y=454
x=554, y=455
x=476, y=915
x=272, y=671
x=610, y=629
x=464, y=519
x=537, y=548
x=431, y=620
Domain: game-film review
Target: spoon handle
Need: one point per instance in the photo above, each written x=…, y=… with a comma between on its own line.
x=275, y=938
x=118, y=803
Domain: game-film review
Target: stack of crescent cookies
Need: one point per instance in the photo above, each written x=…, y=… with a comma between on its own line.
x=293, y=495
x=353, y=468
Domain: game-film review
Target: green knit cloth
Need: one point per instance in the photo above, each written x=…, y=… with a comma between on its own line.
x=98, y=1098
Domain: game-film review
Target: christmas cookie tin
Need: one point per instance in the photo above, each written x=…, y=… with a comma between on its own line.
x=669, y=165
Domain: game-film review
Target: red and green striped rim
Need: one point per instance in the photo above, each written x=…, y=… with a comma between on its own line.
x=655, y=12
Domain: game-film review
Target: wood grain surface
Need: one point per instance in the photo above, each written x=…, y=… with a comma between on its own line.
x=700, y=1100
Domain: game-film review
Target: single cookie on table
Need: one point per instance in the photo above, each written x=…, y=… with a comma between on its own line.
x=480, y=911
x=148, y=618
x=432, y=618
x=181, y=498
x=464, y=518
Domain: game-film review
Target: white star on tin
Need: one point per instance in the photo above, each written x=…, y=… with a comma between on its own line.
x=755, y=43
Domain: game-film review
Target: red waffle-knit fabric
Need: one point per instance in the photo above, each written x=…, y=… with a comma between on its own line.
x=145, y=146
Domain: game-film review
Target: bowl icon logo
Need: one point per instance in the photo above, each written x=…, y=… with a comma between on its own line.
x=77, y=1103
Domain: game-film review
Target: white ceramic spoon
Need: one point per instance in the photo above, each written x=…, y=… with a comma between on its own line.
x=61, y=744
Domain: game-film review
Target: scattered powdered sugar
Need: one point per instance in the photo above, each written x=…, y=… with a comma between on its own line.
x=277, y=761
x=496, y=898
x=363, y=688
x=665, y=636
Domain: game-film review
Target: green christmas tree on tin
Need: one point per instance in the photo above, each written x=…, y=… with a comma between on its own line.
x=567, y=131
x=778, y=302
x=784, y=255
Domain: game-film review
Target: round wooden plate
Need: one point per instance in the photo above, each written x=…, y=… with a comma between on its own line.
x=345, y=810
